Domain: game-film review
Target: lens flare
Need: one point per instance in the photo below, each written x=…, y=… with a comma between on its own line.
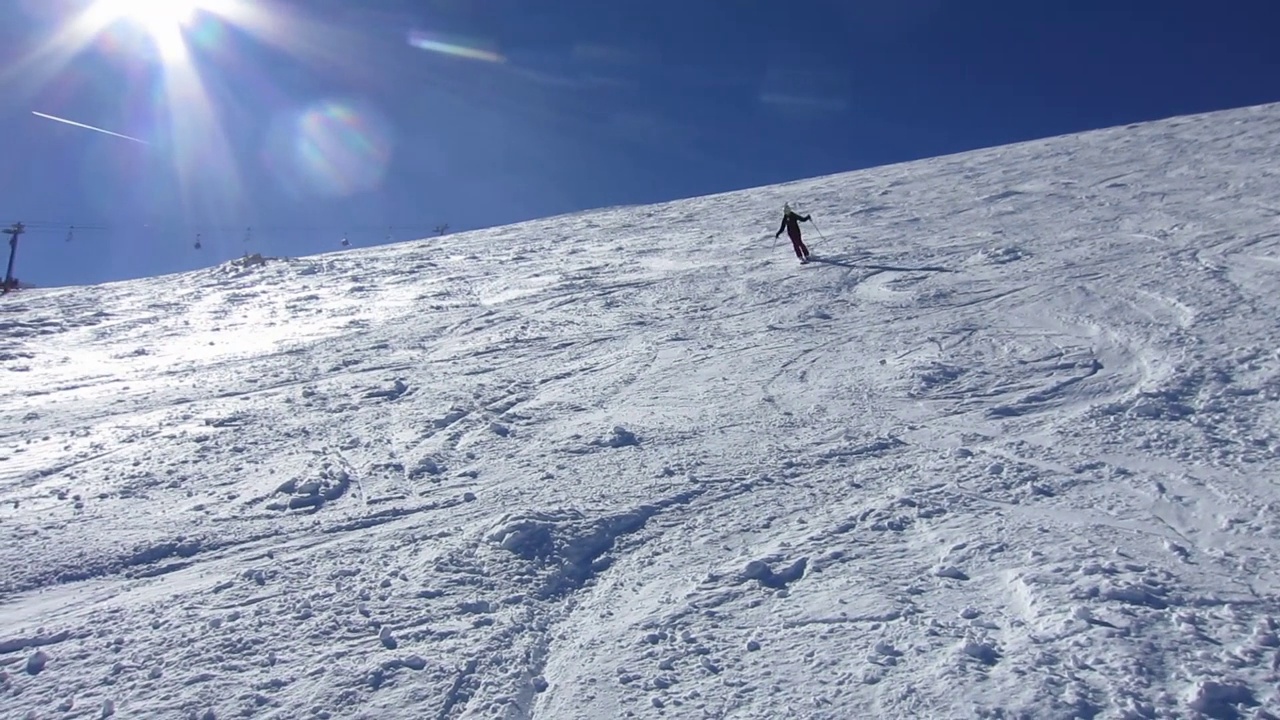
x=333, y=149
x=207, y=33
x=457, y=47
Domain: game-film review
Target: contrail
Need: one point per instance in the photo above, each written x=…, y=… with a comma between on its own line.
x=87, y=127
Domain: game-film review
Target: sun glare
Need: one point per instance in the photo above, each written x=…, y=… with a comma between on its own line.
x=153, y=13
x=163, y=20
x=171, y=53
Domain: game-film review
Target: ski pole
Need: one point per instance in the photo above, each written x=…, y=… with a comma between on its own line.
x=818, y=229
x=815, y=227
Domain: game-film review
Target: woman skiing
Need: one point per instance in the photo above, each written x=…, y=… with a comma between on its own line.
x=791, y=223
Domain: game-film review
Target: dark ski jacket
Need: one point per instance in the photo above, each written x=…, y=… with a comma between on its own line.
x=791, y=223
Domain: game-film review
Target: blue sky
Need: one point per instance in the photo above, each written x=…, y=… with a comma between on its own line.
x=280, y=127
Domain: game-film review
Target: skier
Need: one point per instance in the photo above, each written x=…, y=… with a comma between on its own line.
x=791, y=223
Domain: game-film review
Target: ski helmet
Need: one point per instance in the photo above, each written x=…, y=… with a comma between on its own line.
x=786, y=207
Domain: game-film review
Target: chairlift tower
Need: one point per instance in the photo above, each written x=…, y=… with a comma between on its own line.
x=14, y=233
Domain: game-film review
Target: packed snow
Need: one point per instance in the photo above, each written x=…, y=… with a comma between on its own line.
x=1008, y=448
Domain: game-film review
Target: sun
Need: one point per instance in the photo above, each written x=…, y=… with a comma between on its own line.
x=163, y=20
x=152, y=13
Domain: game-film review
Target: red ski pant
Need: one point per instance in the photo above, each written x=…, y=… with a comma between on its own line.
x=797, y=244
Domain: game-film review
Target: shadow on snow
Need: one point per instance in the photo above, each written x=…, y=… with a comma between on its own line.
x=892, y=268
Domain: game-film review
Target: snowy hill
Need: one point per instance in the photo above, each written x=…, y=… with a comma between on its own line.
x=1009, y=450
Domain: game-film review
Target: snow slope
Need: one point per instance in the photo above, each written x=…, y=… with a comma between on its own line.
x=1008, y=450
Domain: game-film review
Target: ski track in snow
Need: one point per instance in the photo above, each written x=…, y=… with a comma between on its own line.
x=1008, y=449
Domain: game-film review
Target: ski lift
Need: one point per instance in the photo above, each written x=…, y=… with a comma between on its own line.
x=71, y=233
x=389, y=229
x=248, y=234
x=345, y=241
x=198, y=241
